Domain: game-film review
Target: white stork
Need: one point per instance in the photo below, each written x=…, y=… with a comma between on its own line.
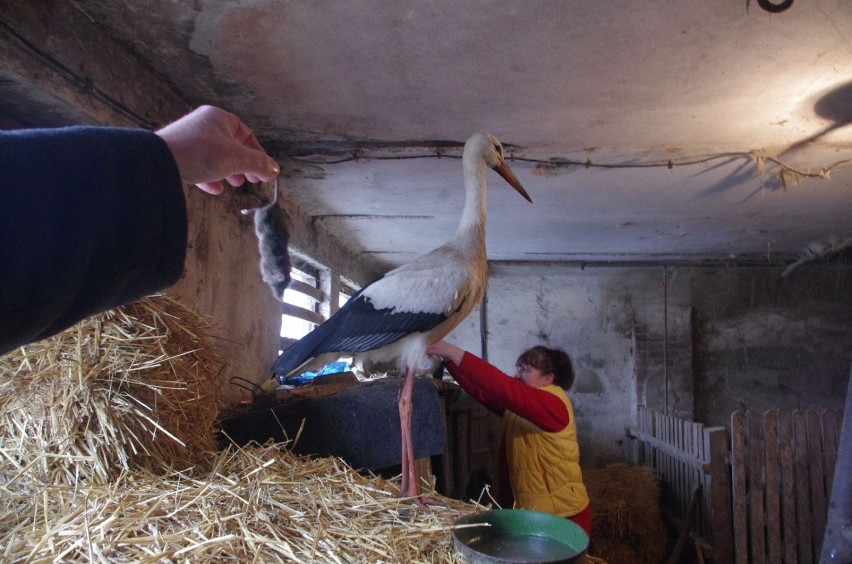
x=398, y=316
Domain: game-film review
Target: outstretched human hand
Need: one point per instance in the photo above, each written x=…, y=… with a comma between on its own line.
x=446, y=351
x=210, y=145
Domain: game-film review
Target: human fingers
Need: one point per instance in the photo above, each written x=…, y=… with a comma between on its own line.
x=437, y=349
x=214, y=188
x=251, y=164
x=235, y=179
x=239, y=164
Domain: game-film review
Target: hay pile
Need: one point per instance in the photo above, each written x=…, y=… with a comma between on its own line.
x=108, y=454
x=134, y=387
x=261, y=504
x=627, y=519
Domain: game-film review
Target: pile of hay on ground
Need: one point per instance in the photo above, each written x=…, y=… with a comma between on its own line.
x=108, y=454
x=257, y=504
x=627, y=519
x=135, y=387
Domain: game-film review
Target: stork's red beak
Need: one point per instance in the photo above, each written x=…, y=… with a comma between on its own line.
x=503, y=170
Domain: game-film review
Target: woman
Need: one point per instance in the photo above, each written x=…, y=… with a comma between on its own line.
x=538, y=434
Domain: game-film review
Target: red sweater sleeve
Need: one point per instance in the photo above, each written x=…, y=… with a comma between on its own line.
x=498, y=392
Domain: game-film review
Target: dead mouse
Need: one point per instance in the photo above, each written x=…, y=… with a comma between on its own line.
x=270, y=226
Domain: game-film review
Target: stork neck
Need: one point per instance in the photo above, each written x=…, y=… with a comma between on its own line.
x=471, y=229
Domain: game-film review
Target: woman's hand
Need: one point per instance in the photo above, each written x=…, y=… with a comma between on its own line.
x=211, y=145
x=446, y=351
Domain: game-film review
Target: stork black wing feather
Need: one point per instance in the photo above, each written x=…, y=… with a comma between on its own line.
x=356, y=327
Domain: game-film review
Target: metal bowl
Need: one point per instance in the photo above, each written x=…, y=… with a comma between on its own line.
x=519, y=535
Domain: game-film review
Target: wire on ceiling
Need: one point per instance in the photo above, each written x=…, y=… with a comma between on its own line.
x=786, y=173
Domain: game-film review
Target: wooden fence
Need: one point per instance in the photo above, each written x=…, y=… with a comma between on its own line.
x=782, y=466
x=690, y=459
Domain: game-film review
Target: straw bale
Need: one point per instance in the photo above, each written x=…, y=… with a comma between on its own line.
x=626, y=514
x=131, y=387
x=258, y=503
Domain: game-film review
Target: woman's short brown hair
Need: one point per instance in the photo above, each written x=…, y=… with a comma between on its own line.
x=550, y=361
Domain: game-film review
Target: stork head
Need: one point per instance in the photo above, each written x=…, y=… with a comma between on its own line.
x=488, y=148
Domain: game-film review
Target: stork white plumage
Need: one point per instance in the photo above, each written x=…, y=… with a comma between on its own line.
x=398, y=316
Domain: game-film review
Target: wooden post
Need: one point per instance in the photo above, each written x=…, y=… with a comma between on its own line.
x=773, y=487
x=739, y=468
x=716, y=445
x=804, y=517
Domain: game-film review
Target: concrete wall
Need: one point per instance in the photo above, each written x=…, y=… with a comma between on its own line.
x=694, y=342
x=764, y=342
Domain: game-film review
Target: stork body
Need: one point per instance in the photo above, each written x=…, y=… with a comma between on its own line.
x=398, y=316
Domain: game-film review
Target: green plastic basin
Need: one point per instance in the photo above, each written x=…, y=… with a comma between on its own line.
x=519, y=535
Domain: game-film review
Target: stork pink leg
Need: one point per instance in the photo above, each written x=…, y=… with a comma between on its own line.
x=410, y=486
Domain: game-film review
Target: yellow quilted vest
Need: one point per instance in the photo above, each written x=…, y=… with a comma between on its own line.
x=544, y=468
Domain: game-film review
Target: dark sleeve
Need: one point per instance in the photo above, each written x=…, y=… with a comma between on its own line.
x=90, y=218
x=498, y=392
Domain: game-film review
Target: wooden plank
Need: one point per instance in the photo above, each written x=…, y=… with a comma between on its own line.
x=688, y=523
x=719, y=481
x=658, y=455
x=803, y=506
x=773, y=486
x=655, y=459
x=739, y=471
x=315, y=390
x=788, y=487
x=680, y=468
x=672, y=462
x=696, y=439
x=305, y=288
x=819, y=511
x=447, y=458
x=755, y=489
x=661, y=448
x=692, y=477
x=703, y=524
x=638, y=448
x=301, y=313
x=830, y=442
x=664, y=459
x=462, y=449
x=423, y=468
x=677, y=466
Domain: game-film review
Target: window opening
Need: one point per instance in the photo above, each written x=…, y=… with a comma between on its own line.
x=305, y=304
x=301, y=305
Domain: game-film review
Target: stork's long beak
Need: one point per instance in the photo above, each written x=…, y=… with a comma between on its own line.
x=503, y=170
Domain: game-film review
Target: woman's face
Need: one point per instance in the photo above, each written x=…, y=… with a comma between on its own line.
x=532, y=376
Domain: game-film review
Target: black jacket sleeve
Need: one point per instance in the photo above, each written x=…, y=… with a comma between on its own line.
x=90, y=218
